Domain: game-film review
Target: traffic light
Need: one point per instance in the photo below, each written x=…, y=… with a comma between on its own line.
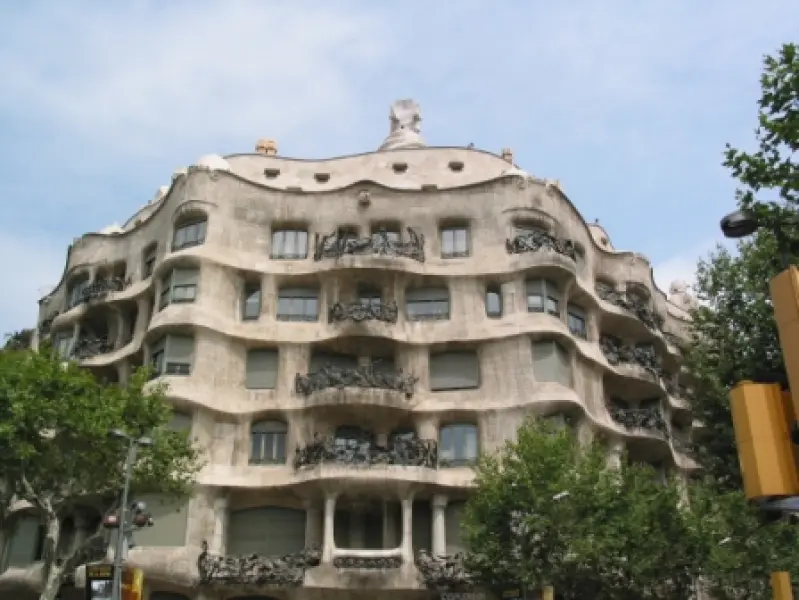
x=141, y=518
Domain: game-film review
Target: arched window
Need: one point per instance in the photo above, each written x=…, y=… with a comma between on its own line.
x=458, y=445
x=189, y=231
x=268, y=443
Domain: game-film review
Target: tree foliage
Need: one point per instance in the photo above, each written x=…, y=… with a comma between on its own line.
x=549, y=511
x=734, y=333
x=55, y=451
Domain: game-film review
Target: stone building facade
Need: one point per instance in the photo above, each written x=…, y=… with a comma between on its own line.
x=344, y=338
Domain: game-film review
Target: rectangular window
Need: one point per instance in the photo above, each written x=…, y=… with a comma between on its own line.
x=76, y=293
x=493, y=303
x=189, y=234
x=341, y=361
x=551, y=363
x=149, y=262
x=261, y=369
x=368, y=296
x=173, y=355
x=576, y=321
x=454, y=242
x=61, y=344
x=290, y=244
x=251, y=306
x=427, y=304
x=298, y=304
x=268, y=443
x=458, y=445
x=527, y=228
x=543, y=296
x=178, y=287
x=391, y=232
x=454, y=371
x=180, y=421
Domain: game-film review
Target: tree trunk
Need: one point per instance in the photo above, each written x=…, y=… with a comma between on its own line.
x=52, y=584
x=52, y=570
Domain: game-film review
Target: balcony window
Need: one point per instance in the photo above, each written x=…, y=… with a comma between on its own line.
x=454, y=242
x=26, y=542
x=268, y=443
x=75, y=294
x=427, y=304
x=575, y=318
x=251, y=302
x=178, y=287
x=290, y=244
x=148, y=260
x=320, y=360
x=551, y=363
x=528, y=227
x=180, y=421
x=298, y=304
x=543, y=296
x=261, y=369
x=391, y=230
x=458, y=445
x=369, y=296
x=354, y=439
x=189, y=233
x=493, y=302
x=171, y=514
x=172, y=355
x=454, y=371
x=62, y=342
x=265, y=531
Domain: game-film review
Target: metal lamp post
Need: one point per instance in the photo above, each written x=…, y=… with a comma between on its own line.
x=133, y=447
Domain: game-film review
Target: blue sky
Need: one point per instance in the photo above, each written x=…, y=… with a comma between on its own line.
x=628, y=103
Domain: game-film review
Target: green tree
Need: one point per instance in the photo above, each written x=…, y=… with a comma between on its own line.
x=734, y=333
x=548, y=511
x=55, y=452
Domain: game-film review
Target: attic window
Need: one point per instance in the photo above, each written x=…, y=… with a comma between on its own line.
x=271, y=173
x=321, y=177
x=429, y=187
x=400, y=167
x=456, y=166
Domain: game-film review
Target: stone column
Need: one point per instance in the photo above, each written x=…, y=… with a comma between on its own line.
x=120, y=328
x=217, y=542
x=124, y=371
x=75, y=337
x=389, y=527
x=407, y=529
x=329, y=542
x=439, y=522
x=313, y=524
x=144, y=309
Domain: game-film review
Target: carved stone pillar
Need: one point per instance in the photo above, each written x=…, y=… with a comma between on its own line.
x=120, y=328
x=217, y=542
x=144, y=310
x=407, y=529
x=329, y=543
x=313, y=524
x=439, y=522
x=427, y=427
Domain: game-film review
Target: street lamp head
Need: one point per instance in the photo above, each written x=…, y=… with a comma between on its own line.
x=118, y=434
x=144, y=441
x=738, y=224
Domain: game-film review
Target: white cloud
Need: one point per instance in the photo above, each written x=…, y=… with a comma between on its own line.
x=682, y=266
x=32, y=266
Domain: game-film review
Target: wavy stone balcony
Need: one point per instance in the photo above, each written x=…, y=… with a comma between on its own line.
x=536, y=241
x=617, y=353
x=403, y=452
x=443, y=573
x=631, y=304
x=649, y=419
x=359, y=312
x=337, y=244
x=333, y=377
x=254, y=570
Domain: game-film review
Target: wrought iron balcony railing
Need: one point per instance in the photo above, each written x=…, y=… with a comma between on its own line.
x=357, y=377
x=403, y=451
x=617, y=353
x=278, y=571
x=99, y=289
x=444, y=572
x=91, y=346
x=367, y=562
x=337, y=244
x=632, y=304
x=362, y=311
x=535, y=241
x=649, y=418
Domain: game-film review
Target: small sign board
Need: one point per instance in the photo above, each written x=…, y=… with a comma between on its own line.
x=100, y=583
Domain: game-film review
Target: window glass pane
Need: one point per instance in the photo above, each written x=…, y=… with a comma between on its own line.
x=493, y=304
x=252, y=302
x=461, y=241
x=454, y=371
x=535, y=303
x=553, y=306
x=261, y=369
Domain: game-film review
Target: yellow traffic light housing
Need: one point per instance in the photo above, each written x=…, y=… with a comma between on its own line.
x=762, y=417
x=785, y=298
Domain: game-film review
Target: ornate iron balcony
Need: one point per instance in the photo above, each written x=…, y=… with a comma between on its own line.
x=367, y=562
x=617, y=353
x=638, y=418
x=540, y=240
x=357, y=377
x=676, y=389
x=444, y=572
x=360, y=311
x=99, y=289
x=632, y=305
x=47, y=323
x=336, y=245
x=283, y=571
x=402, y=451
x=90, y=346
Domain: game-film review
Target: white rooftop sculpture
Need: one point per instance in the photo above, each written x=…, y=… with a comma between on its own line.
x=405, y=118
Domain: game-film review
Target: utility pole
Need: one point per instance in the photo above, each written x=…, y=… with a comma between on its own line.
x=764, y=416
